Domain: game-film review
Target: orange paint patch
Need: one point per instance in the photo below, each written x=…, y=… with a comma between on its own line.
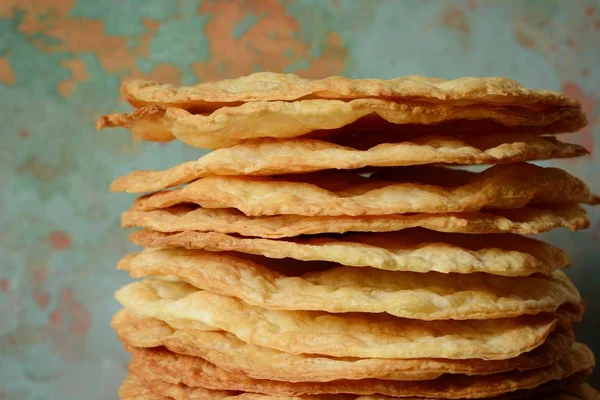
x=39, y=294
x=597, y=25
x=79, y=73
x=453, y=18
x=80, y=318
x=39, y=169
x=332, y=62
x=7, y=74
x=571, y=43
x=59, y=240
x=588, y=104
x=590, y=11
x=524, y=40
x=262, y=46
x=41, y=298
x=23, y=133
x=73, y=34
x=39, y=276
x=4, y=285
x=8, y=7
x=26, y=335
x=55, y=318
x=143, y=48
x=162, y=72
x=271, y=44
x=68, y=324
x=78, y=34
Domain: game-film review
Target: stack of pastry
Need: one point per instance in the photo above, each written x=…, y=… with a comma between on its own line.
x=334, y=246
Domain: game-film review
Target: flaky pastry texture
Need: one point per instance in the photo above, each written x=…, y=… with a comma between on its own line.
x=231, y=354
x=407, y=190
x=276, y=157
x=430, y=296
x=349, y=335
x=276, y=86
x=196, y=372
x=133, y=389
x=228, y=126
x=411, y=250
x=526, y=220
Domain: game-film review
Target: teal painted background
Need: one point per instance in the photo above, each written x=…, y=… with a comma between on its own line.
x=61, y=63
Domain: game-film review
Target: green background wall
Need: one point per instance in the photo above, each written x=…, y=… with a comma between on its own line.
x=61, y=63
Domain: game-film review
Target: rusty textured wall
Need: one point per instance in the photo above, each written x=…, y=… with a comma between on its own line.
x=61, y=63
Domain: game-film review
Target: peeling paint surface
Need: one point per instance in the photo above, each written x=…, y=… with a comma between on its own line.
x=61, y=64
